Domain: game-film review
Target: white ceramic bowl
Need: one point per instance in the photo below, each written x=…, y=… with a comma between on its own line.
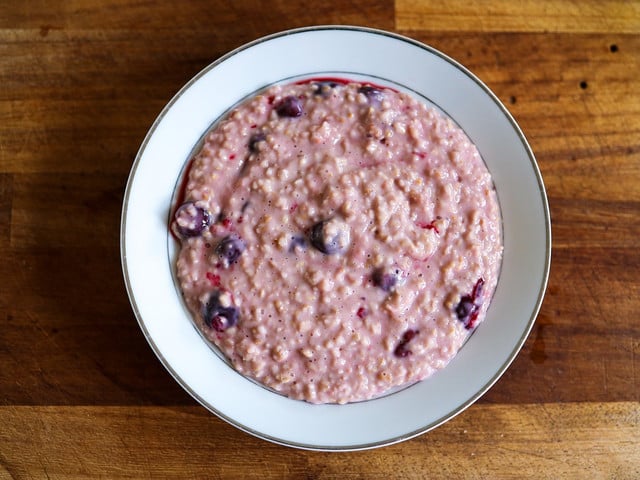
x=147, y=249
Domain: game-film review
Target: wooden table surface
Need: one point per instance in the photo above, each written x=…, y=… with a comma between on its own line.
x=81, y=393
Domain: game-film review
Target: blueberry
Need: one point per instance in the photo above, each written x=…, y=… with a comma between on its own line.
x=465, y=309
x=323, y=87
x=468, y=307
x=409, y=335
x=402, y=350
x=297, y=242
x=330, y=236
x=255, y=139
x=191, y=220
x=229, y=249
x=374, y=94
x=385, y=280
x=290, y=106
x=218, y=312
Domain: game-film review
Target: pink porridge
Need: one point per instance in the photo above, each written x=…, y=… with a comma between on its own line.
x=337, y=240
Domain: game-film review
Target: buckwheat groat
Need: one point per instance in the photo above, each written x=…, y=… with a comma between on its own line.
x=337, y=240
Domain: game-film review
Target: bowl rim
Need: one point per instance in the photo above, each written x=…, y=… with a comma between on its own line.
x=543, y=197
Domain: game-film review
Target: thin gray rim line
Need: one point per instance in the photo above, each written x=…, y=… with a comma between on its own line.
x=541, y=188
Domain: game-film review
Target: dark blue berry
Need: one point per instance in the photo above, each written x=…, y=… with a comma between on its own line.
x=255, y=139
x=217, y=316
x=324, y=87
x=191, y=220
x=402, y=350
x=330, y=236
x=465, y=309
x=468, y=307
x=230, y=249
x=374, y=94
x=385, y=280
x=297, y=242
x=290, y=106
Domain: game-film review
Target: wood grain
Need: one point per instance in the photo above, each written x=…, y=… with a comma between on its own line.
x=246, y=18
x=67, y=259
x=583, y=440
x=81, y=393
x=586, y=16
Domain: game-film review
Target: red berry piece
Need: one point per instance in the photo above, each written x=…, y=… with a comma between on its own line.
x=213, y=278
x=477, y=289
x=429, y=226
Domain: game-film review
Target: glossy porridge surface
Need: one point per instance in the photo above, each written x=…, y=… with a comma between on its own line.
x=337, y=240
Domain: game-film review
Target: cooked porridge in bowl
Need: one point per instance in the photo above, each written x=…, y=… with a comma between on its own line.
x=337, y=239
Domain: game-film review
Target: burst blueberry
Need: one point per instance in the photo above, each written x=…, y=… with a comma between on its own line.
x=330, y=236
x=191, y=220
x=374, y=94
x=402, y=350
x=218, y=312
x=229, y=249
x=298, y=242
x=290, y=106
x=255, y=139
x=387, y=281
x=323, y=87
x=468, y=307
